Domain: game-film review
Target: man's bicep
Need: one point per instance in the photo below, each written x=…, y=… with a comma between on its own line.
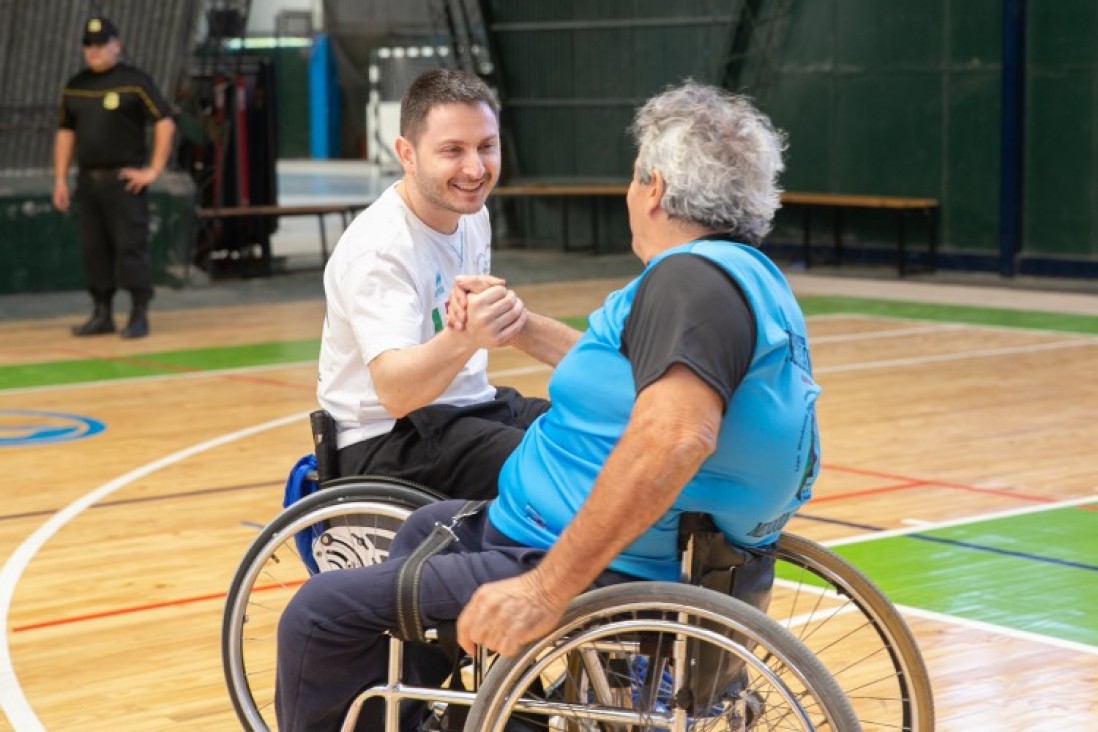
x=688, y=311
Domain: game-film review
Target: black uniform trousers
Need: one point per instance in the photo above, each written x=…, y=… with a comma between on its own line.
x=331, y=637
x=457, y=451
x=114, y=234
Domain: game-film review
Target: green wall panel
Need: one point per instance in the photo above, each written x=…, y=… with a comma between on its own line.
x=891, y=134
x=1060, y=176
x=40, y=248
x=292, y=79
x=575, y=71
x=810, y=38
x=1063, y=32
x=975, y=32
x=801, y=105
x=970, y=184
x=871, y=35
x=883, y=97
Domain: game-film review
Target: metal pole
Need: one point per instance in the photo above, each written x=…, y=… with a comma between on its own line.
x=1012, y=135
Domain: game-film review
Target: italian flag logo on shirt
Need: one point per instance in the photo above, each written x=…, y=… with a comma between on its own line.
x=436, y=318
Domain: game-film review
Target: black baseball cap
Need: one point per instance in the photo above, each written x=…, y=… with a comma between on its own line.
x=98, y=31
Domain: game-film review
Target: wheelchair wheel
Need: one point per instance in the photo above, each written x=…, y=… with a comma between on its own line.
x=841, y=616
x=350, y=522
x=661, y=656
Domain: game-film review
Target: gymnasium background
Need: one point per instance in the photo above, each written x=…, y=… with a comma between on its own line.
x=989, y=106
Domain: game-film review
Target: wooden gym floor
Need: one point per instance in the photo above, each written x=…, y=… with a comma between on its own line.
x=958, y=472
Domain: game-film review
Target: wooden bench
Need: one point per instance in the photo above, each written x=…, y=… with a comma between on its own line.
x=345, y=211
x=903, y=206
x=565, y=191
x=837, y=202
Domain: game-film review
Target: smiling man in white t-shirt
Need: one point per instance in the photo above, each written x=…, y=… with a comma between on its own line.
x=410, y=396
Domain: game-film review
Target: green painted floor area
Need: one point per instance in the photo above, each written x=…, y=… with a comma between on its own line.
x=1037, y=572
x=1065, y=322
x=273, y=354
x=54, y=373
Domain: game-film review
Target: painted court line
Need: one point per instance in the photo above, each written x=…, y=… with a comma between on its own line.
x=929, y=326
x=967, y=324
x=933, y=526
x=12, y=700
x=959, y=356
x=874, y=335
x=993, y=629
x=19, y=712
x=158, y=377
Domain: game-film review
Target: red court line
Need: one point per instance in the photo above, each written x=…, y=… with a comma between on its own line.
x=869, y=492
x=142, y=608
x=932, y=483
x=906, y=484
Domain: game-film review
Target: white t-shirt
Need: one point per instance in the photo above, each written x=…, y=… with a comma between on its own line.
x=386, y=287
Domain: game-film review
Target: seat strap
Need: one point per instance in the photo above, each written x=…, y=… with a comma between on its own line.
x=409, y=625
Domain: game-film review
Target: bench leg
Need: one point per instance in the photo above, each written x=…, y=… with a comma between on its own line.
x=932, y=239
x=323, y=240
x=838, y=222
x=901, y=263
x=595, y=224
x=565, y=233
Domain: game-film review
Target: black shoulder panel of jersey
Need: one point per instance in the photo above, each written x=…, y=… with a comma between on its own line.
x=689, y=310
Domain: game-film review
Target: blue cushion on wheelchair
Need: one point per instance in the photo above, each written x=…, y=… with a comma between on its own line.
x=298, y=486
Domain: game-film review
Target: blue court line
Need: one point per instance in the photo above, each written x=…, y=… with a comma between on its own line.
x=1005, y=552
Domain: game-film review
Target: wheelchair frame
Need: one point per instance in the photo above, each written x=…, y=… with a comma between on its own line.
x=366, y=496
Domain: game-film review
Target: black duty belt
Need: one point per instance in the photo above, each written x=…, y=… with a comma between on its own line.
x=101, y=173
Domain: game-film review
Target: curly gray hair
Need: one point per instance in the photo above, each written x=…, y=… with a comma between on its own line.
x=719, y=155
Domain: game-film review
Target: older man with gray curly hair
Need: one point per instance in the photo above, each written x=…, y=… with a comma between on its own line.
x=691, y=391
x=719, y=158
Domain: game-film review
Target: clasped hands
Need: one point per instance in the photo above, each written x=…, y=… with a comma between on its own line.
x=486, y=309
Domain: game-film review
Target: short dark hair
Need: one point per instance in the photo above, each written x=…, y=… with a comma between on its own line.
x=440, y=86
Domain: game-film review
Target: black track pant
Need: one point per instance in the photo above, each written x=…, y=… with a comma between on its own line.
x=457, y=451
x=114, y=233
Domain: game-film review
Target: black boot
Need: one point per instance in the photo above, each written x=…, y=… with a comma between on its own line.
x=101, y=321
x=138, y=325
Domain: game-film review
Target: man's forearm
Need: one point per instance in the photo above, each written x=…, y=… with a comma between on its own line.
x=413, y=377
x=163, y=132
x=545, y=339
x=62, y=154
x=672, y=432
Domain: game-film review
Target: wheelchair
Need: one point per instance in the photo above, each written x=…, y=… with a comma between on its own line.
x=861, y=658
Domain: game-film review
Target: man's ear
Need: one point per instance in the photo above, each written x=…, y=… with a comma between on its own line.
x=406, y=153
x=653, y=197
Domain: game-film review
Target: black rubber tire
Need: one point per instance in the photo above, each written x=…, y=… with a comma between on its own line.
x=599, y=608
x=917, y=695
x=346, y=497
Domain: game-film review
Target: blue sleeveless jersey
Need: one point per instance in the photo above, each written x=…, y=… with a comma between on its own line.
x=767, y=455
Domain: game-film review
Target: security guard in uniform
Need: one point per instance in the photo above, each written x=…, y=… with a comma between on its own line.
x=104, y=112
